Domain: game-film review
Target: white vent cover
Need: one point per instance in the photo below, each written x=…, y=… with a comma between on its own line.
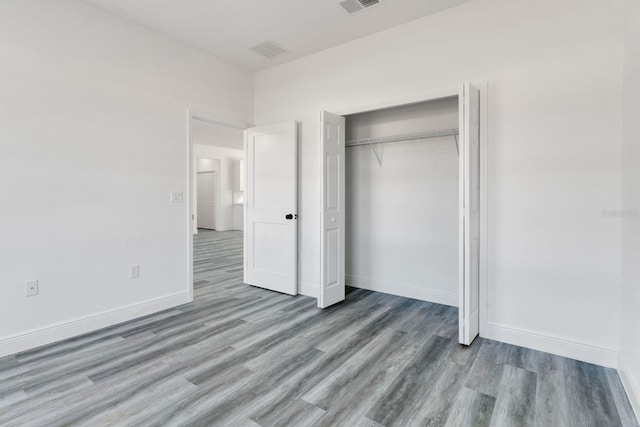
x=269, y=49
x=353, y=6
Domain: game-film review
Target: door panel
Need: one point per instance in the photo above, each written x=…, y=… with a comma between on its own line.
x=271, y=207
x=469, y=271
x=269, y=174
x=206, y=188
x=266, y=236
x=332, y=218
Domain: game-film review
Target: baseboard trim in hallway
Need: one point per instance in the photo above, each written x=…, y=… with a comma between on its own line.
x=82, y=325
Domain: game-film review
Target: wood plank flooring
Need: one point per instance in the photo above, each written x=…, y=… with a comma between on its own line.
x=243, y=356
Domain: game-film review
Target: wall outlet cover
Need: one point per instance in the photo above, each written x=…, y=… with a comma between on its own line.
x=31, y=288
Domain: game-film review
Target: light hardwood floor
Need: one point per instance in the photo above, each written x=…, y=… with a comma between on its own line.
x=244, y=356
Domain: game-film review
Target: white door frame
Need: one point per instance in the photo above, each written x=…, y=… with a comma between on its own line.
x=484, y=143
x=193, y=114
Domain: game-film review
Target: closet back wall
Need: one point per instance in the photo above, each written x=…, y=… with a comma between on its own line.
x=402, y=215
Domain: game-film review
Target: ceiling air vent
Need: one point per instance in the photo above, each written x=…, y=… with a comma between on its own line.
x=354, y=6
x=269, y=49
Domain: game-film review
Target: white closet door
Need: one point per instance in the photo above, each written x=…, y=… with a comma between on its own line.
x=206, y=188
x=469, y=259
x=332, y=216
x=271, y=232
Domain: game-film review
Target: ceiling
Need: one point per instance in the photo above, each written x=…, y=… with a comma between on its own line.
x=216, y=136
x=228, y=29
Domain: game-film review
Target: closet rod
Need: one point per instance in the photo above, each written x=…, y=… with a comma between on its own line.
x=405, y=137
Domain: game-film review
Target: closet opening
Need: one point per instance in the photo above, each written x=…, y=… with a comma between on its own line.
x=400, y=203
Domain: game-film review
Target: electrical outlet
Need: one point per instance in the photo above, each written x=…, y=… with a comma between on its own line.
x=177, y=196
x=134, y=271
x=31, y=288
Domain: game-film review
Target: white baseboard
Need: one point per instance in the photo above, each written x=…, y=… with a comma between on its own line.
x=437, y=297
x=552, y=344
x=308, y=289
x=631, y=386
x=59, y=331
x=221, y=228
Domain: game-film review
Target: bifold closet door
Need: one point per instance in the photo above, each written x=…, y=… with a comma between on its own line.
x=469, y=191
x=271, y=232
x=332, y=215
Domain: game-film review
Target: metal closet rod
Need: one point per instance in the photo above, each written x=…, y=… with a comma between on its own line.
x=405, y=137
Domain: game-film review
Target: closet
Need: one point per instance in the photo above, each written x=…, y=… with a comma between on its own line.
x=400, y=202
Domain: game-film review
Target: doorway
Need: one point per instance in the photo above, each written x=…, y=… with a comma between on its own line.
x=255, y=205
x=216, y=201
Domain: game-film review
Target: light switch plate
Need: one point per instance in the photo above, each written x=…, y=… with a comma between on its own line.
x=177, y=196
x=134, y=271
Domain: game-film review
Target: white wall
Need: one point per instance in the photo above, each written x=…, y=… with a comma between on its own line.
x=402, y=215
x=630, y=342
x=554, y=151
x=204, y=164
x=93, y=138
x=226, y=212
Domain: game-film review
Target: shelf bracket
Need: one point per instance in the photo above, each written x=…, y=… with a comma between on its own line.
x=375, y=151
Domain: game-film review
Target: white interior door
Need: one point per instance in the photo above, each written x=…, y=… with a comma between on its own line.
x=206, y=207
x=271, y=232
x=469, y=266
x=332, y=216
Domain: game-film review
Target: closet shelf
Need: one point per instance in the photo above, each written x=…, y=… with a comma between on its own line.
x=405, y=137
